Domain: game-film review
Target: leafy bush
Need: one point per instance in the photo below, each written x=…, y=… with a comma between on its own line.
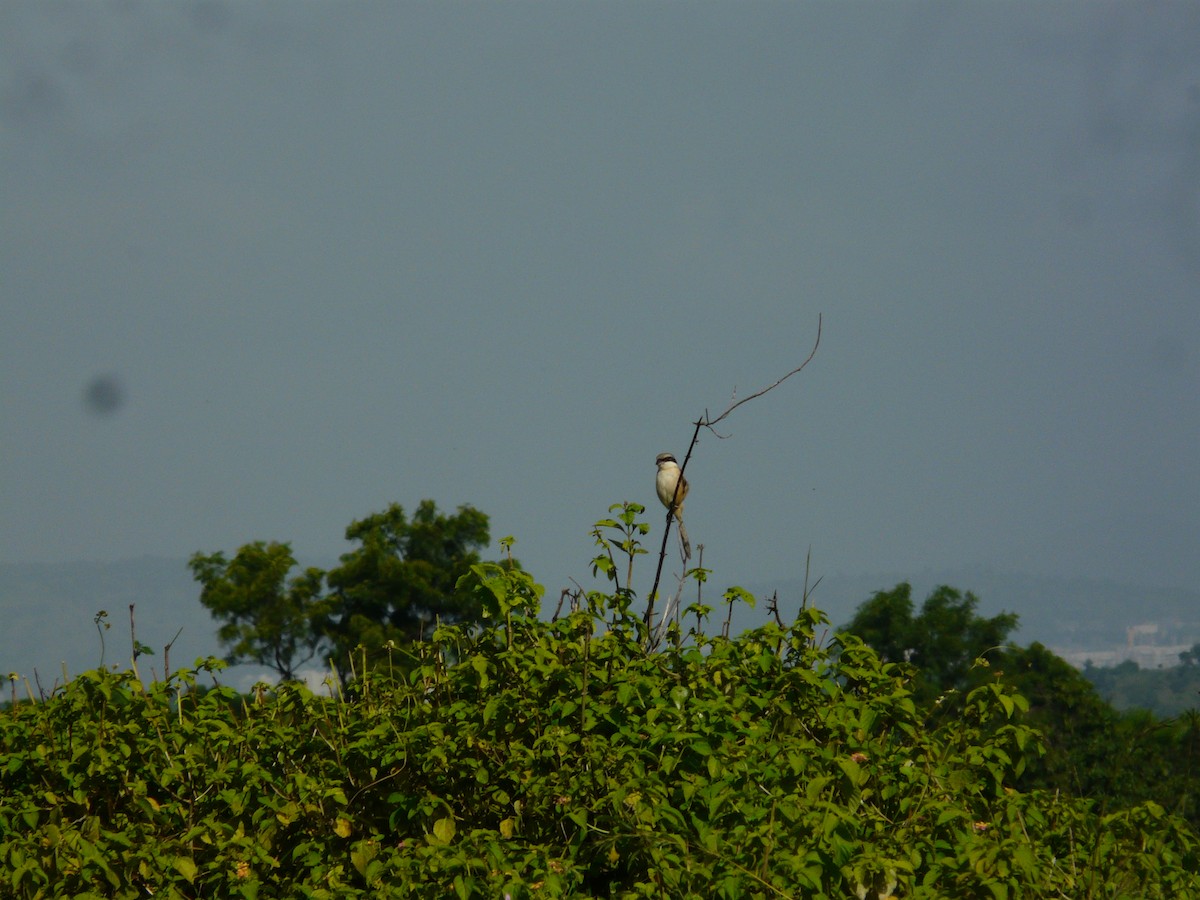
x=560, y=758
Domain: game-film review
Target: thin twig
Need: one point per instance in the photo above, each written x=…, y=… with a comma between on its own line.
x=699, y=586
x=587, y=658
x=808, y=589
x=167, y=654
x=673, y=604
x=578, y=596
x=728, y=619
x=773, y=608
x=558, y=609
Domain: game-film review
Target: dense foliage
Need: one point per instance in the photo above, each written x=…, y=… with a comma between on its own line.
x=534, y=758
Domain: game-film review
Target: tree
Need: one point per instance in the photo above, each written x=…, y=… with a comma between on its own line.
x=402, y=578
x=942, y=643
x=885, y=623
x=268, y=620
x=394, y=587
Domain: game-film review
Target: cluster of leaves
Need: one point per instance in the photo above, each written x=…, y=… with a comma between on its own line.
x=561, y=758
x=391, y=589
x=1118, y=759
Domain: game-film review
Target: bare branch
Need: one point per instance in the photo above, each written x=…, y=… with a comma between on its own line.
x=708, y=422
x=133, y=635
x=773, y=608
x=558, y=609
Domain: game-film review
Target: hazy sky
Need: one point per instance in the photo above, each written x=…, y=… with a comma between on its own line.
x=266, y=268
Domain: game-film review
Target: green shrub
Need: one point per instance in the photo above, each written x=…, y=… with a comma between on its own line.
x=540, y=758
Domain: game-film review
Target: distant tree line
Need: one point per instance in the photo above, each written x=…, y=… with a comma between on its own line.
x=1163, y=691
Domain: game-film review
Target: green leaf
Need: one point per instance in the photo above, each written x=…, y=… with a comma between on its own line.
x=480, y=665
x=443, y=831
x=186, y=867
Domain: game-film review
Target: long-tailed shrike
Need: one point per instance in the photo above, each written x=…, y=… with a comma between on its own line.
x=672, y=490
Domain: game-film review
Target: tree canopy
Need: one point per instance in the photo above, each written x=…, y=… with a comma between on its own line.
x=401, y=579
x=390, y=590
x=266, y=618
x=942, y=642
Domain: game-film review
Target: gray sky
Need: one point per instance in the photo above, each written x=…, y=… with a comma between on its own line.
x=267, y=268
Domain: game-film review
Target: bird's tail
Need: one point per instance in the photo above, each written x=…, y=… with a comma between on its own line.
x=687, y=545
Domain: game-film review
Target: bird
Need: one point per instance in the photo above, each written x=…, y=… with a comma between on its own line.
x=672, y=490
